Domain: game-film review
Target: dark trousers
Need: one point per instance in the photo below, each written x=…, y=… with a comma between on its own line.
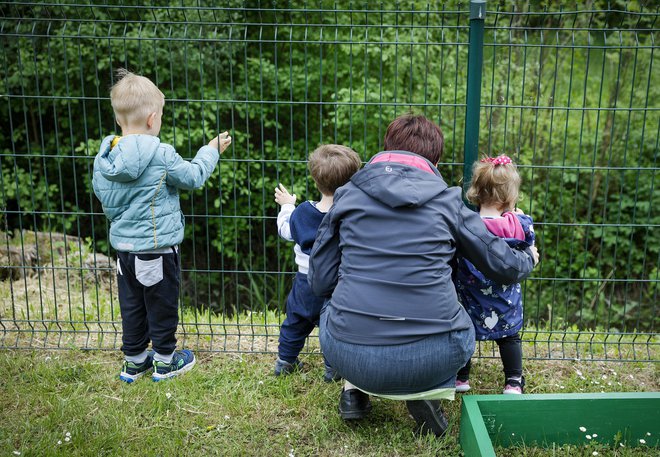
x=511, y=355
x=149, y=301
x=303, y=309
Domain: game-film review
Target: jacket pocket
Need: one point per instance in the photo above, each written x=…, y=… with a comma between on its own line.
x=149, y=272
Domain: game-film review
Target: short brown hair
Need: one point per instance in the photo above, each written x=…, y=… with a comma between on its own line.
x=134, y=97
x=494, y=184
x=415, y=133
x=332, y=165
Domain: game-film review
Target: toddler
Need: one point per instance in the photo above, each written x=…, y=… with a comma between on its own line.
x=137, y=179
x=331, y=166
x=495, y=309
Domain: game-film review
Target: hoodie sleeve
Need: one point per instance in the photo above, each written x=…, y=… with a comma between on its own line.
x=490, y=254
x=283, y=221
x=190, y=175
x=325, y=256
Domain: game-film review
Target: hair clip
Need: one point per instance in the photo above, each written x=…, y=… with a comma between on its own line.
x=499, y=160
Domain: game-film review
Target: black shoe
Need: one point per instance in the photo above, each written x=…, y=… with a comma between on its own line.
x=353, y=404
x=331, y=375
x=429, y=416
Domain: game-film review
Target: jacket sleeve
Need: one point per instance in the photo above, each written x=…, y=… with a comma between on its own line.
x=325, y=257
x=190, y=175
x=490, y=254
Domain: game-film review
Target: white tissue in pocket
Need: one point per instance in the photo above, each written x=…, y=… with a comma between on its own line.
x=149, y=272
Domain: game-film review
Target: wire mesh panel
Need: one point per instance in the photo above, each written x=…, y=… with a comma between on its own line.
x=572, y=96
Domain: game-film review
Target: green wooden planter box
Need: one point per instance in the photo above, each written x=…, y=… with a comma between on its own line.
x=541, y=420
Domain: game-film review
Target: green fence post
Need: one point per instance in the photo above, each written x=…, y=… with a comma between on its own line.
x=473, y=98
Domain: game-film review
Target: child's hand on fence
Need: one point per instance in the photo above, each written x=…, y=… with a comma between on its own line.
x=535, y=254
x=221, y=142
x=282, y=196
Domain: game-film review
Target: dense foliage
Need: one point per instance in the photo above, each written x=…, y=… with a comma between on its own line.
x=571, y=95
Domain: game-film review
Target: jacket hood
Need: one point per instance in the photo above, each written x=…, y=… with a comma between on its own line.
x=400, y=179
x=128, y=159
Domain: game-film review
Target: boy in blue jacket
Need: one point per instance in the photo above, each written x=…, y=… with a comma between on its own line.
x=137, y=178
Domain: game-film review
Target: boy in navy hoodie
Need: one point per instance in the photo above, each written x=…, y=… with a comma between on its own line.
x=331, y=166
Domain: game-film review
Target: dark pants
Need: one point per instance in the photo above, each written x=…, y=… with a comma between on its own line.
x=302, y=315
x=149, y=301
x=511, y=355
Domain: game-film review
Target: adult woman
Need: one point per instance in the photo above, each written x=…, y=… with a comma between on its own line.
x=393, y=325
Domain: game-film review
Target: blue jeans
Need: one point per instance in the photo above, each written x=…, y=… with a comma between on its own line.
x=426, y=364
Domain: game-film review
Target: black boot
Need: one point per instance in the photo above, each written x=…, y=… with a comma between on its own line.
x=429, y=416
x=353, y=404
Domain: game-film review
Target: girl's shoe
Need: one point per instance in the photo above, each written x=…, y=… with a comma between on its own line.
x=513, y=386
x=462, y=386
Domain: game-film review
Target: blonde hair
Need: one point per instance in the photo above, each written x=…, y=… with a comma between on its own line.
x=134, y=98
x=332, y=165
x=494, y=184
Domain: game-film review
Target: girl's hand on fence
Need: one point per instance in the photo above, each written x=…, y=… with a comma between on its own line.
x=283, y=197
x=221, y=142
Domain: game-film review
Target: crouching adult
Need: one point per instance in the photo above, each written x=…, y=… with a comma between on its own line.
x=392, y=325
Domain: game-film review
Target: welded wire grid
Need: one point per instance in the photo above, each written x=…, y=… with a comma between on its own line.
x=571, y=95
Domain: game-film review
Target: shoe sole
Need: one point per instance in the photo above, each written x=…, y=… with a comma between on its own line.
x=511, y=392
x=427, y=417
x=462, y=389
x=186, y=368
x=129, y=378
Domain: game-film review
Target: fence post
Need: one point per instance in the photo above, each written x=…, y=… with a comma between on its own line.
x=473, y=97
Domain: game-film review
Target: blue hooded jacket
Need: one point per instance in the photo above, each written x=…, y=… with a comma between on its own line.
x=137, y=183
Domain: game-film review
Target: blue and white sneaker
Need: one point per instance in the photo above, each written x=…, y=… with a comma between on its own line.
x=132, y=371
x=182, y=362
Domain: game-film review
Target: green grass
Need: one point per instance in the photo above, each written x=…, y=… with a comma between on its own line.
x=233, y=405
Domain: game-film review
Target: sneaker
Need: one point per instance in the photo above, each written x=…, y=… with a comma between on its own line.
x=514, y=387
x=132, y=371
x=331, y=375
x=182, y=361
x=353, y=404
x=283, y=368
x=462, y=386
x=429, y=416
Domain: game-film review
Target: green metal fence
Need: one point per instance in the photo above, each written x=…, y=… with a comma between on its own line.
x=572, y=94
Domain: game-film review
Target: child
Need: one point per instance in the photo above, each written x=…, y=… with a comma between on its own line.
x=496, y=310
x=136, y=178
x=331, y=166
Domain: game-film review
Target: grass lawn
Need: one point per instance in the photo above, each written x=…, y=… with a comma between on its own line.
x=71, y=403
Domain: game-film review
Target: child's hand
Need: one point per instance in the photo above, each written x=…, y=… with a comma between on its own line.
x=518, y=211
x=282, y=196
x=221, y=142
x=535, y=254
